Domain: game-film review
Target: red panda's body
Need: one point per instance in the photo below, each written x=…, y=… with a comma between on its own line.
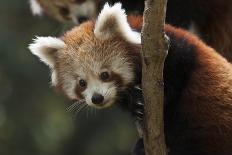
x=198, y=95
x=209, y=19
x=100, y=63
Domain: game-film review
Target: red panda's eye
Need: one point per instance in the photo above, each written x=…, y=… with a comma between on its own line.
x=82, y=83
x=64, y=11
x=79, y=1
x=104, y=76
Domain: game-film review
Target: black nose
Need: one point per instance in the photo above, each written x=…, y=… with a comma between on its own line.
x=82, y=19
x=97, y=98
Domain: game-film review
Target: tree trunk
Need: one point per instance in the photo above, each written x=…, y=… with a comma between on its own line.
x=154, y=49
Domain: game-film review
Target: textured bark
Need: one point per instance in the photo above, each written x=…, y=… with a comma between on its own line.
x=154, y=49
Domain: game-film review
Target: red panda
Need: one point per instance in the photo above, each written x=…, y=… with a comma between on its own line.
x=99, y=63
x=78, y=11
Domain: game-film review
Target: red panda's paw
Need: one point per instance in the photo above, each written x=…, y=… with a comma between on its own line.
x=139, y=148
x=137, y=105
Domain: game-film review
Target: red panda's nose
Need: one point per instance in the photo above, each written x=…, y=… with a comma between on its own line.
x=82, y=19
x=97, y=98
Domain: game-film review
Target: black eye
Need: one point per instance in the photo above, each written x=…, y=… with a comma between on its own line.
x=64, y=11
x=105, y=76
x=79, y=1
x=82, y=83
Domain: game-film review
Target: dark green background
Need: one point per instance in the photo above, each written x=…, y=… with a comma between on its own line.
x=33, y=118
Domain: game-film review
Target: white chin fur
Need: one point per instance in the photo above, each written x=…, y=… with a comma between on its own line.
x=105, y=105
x=35, y=7
x=112, y=21
x=108, y=90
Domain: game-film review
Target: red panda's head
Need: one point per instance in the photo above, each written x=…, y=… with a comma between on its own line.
x=94, y=61
x=76, y=11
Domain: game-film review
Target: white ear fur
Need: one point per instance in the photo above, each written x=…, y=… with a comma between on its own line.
x=35, y=7
x=45, y=48
x=112, y=21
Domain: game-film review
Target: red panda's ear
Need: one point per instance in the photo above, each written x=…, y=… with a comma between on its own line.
x=45, y=48
x=36, y=9
x=112, y=21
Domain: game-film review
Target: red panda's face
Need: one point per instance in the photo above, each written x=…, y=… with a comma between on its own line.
x=93, y=70
x=76, y=11
x=92, y=62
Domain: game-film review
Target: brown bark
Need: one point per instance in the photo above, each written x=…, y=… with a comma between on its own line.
x=154, y=49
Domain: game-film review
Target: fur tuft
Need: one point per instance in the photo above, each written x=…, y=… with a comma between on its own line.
x=45, y=47
x=112, y=21
x=35, y=7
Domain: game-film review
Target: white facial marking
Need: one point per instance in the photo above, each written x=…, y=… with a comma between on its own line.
x=69, y=86
x=106, y=89
x=54, y=80
x=112, y=21
x=86, y=9
x=35, y=7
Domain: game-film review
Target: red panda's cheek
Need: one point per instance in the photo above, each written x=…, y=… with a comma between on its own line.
x=110, y=95
x=78, y=91
x=117, y=79
x=59, y=89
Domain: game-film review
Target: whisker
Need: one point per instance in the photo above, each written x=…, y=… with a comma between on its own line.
x=138, y=87
x=80, y=108
x=75, y=105
x=95, y=111
x=92, y=110
x=87, y=111
x=72, y=107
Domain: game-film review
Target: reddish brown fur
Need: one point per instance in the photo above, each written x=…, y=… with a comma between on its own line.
x=79, y=33
x=136, y=22
x=52, y=9
x=207, y=101
x=216, y=29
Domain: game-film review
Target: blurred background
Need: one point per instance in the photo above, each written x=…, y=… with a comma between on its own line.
x=33, y=118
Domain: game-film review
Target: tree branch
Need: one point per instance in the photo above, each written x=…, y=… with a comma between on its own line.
x=154, y=49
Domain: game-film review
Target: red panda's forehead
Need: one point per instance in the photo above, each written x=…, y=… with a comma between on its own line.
x=84, y=34
x=93, y=57
x=86, y=54
x=82, y=42
x=79, y=34
x=98, y=54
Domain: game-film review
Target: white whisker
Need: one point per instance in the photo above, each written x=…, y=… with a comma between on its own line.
x=81, y=107
x=92, y=110
x=87, y=111
x=75, y=105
